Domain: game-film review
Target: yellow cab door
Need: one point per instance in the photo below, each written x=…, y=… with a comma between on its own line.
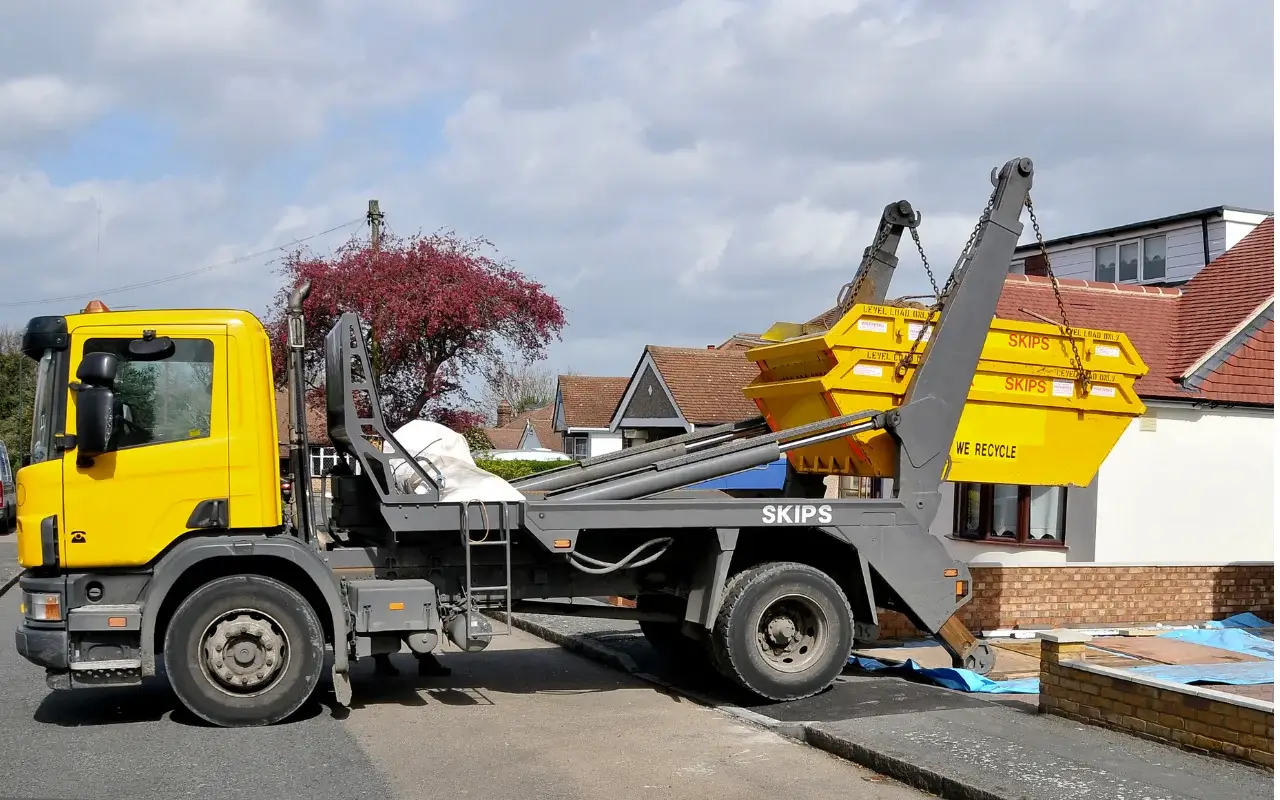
x=169, y=470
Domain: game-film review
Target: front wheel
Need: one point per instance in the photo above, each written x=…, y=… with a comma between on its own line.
x=784, y=631
x=244, y=650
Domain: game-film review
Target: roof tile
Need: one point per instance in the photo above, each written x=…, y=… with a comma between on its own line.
x=1172, y=328
x=541, y=419
x=589, y=402
x=707, y=384
x=1218, y=298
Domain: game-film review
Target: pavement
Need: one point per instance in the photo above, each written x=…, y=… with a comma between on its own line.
x=952, y=744
x=525, y=718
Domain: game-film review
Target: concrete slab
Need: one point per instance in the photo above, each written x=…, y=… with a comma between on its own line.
x=998, y=752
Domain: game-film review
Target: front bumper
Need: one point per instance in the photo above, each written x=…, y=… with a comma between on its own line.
x=45, y=645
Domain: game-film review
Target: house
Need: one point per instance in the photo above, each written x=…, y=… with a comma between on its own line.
x=675, y=390
x=1167, y=251
x=584, y=406
x=1192, y=479
x=529, y=430
x=1177, y=524
x=322, y=452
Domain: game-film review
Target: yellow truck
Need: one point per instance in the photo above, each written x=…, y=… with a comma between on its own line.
x=155, y=526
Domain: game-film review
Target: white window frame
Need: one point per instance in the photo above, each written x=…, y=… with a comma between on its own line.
x=322, y=458
x=1141, y=242
x=572, y=448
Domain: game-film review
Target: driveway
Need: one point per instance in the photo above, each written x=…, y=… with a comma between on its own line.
x=524, y=719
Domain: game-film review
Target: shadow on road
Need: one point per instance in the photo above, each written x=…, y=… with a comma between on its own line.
x=476, y=680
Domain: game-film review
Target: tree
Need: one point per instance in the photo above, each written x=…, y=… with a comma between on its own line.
x=523, y=386
x=436, y=308
x=17, y=391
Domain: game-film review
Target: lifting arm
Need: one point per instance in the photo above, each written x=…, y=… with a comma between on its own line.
x=926, y=422
x=871, y=283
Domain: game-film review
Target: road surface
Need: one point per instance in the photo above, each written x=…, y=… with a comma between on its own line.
x=524, y=719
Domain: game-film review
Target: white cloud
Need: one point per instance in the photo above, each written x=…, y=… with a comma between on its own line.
x=32, y=105
x=674, y=171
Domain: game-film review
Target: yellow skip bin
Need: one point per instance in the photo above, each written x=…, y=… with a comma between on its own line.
x=1027, y=419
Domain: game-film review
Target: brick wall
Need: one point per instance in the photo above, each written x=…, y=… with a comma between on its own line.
x=1087, y=595
x=1189, y=717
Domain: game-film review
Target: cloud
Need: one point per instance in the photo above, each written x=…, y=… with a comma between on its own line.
x=37, y=105
x=674, y=171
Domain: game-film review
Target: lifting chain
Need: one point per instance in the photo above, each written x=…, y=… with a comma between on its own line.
x=940, y=296
x=1067, y=330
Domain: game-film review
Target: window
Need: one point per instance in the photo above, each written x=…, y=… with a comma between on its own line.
x=1136, y=261
x=1028, y=515
x=159, y=402
x=323, y=459
x=576, y=446
x=41, y=419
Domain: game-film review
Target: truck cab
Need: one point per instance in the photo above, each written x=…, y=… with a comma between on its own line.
x=181, y=384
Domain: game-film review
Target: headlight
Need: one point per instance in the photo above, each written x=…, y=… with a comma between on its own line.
x=42, y=606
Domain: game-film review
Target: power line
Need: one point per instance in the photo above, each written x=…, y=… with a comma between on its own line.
x=179, y=276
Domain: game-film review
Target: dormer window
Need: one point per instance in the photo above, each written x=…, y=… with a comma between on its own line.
x=1133, y=261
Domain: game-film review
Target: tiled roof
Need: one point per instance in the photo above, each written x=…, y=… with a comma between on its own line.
x=740, y=341
x=1218, y=297
x=1172, y=329
x=1248, y=374
x=1145, y=313
x=508, y=436
x=589, y=402
x=707, y=384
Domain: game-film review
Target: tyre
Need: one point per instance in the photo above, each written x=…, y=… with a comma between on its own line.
x=244, y=651
x=784, y=631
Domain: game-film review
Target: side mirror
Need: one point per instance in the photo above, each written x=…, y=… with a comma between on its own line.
x=95, y=421
x=98, y=369
x=151, y=348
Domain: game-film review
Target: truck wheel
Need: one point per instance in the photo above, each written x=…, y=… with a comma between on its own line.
x=243, y=651
x=784, y=631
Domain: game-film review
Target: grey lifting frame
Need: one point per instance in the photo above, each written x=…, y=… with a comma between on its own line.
x=891, y=536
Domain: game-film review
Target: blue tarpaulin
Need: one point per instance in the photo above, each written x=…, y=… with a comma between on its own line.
x=960, y=679
x=1250, y=673
x=1245, y=620
x=1234, y=639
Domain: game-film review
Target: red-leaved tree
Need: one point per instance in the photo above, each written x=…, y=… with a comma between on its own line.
x=435, y=309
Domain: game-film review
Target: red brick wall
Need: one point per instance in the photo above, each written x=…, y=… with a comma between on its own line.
x=1088, y=595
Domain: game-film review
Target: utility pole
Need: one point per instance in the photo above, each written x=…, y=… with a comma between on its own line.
x=374, y=216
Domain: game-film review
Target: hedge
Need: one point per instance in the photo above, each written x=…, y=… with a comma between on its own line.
x=510, y=470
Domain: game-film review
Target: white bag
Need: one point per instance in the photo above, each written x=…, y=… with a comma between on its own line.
x=446, y=450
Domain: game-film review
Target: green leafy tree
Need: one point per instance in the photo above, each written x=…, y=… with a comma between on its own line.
x=17, y=389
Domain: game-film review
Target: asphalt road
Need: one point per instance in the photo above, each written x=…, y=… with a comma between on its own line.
x=523, y=719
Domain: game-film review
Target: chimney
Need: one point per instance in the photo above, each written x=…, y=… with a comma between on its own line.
x=504, y=413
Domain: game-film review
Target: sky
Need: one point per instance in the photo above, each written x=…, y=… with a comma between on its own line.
x=673, y=171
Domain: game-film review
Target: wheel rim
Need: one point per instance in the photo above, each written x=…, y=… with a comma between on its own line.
x=244, y=652
x=792, y=633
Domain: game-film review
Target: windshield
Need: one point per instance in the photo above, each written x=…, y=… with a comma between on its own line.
x=42, y=416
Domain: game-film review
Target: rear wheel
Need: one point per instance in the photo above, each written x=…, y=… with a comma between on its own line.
x=784, y=631
x=244, y=650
